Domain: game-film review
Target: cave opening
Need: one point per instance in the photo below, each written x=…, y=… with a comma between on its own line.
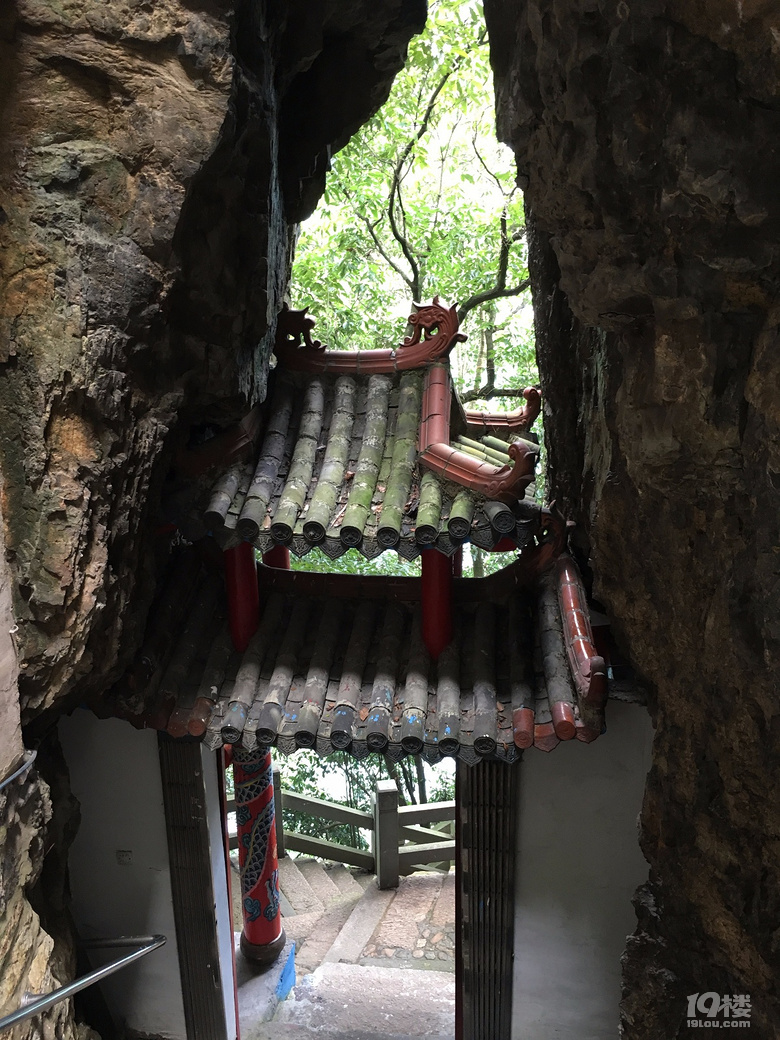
x=155, y=166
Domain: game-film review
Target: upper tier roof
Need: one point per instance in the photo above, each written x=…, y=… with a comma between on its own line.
x=372, y=450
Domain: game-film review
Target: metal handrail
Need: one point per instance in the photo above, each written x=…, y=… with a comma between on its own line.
x=34, y=1004
x=30, y=758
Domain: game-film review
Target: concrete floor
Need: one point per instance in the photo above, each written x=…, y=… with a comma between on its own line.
x=357, y=984
x=354, y=1002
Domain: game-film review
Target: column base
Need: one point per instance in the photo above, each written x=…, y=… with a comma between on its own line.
x=263, y=954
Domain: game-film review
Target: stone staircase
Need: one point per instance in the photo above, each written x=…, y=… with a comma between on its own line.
x=354, y=948
x=317, y=903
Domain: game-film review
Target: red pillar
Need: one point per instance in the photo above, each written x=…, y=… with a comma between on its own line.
x=278, y=557
x=457, y=563
x=243, y=593
x=263, y=938
x=436, y=601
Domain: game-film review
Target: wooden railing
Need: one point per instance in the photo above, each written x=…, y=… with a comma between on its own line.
x=402, y=839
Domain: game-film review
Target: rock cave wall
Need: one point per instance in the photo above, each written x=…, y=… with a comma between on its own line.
x=155, y=159
x=647, y=138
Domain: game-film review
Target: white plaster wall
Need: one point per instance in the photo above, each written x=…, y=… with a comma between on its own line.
x=579, y=864
x=222, y=910
x=115, y=774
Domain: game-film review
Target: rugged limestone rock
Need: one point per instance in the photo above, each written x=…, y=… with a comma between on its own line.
x=25, y=950
x=647, y=137
x=11, y=746
x=154, y=159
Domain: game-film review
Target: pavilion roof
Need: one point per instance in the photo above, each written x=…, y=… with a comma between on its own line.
x=338, y=662
x=372, y=450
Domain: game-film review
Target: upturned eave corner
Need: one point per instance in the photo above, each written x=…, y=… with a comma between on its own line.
x=519, y=421
x=434, y=334
x=499, y=483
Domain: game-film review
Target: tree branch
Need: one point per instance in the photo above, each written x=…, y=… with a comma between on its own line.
x=398, y=234
x=421, y=786
x=371, y=228
x=395, y=184
x=480, y=359
x=485, y=393
x=490, y=358
x=392, y=772
x=487, y=169
x=496, y=293
x=499, y=289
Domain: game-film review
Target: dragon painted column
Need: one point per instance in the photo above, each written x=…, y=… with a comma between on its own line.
x=263, y=938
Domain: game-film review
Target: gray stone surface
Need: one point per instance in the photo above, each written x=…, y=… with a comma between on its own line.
x=346, y=1000
x=301, y=926
x=257, y=992
x=359, y=928
x=444, y=910
x=296, y=888
x=315, y=931
x=320, y=882
x=418, y=929
x=284, y=1031
x=413, y=902
x=646, y=135
x=323, y=935
x=345, y=879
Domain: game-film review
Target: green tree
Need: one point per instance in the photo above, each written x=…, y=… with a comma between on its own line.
x=307, y=773
x=423, y=201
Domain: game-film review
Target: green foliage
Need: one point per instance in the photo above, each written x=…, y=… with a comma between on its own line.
x=352, y=562
x=308, y=774
x=423, y=201
x=339, y=778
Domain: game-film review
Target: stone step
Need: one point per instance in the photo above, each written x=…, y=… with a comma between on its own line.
x=300, y=926
x=363, y=877
x=322, y=936
x=413, y=903
x=444, y=910
x=367, y=1003
x=411, y=927
x=259, y=991
x=320, y=881
x=344, y=879
x=418, y=929
x=296, y=888
x=348, y=945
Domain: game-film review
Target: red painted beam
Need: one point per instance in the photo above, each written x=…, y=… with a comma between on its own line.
x=457, y=564
x=502, y=483
x=436, y=595
x=435, y=333
x=520, y=420
x=243, y=594
x=504, y=545
x=278, y=557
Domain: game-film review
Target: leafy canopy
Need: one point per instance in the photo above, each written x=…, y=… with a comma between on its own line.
x=423, y=201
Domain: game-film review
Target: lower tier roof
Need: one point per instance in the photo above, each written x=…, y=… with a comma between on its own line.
x=338, y=663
